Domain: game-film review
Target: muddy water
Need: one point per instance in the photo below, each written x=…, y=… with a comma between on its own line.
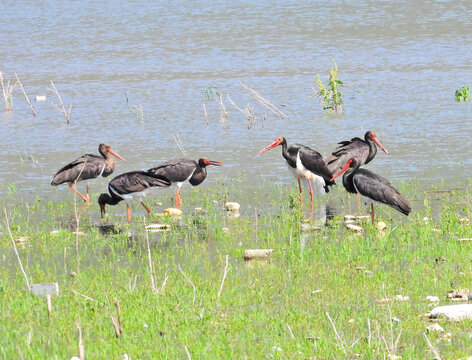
x=401, y=63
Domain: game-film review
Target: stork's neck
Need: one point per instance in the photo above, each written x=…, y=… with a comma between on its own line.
x=110, y=164
x=372, y=149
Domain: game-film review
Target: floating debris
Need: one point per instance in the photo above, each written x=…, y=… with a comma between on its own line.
x=435, y=328
x=173, y=212
x=381, y=225
x=22, y=239
x=349, y=218
x=39, y=98
x=356, y=228
x=263, y=254
x=232, y=206
x=433, y=299
x=307, y=227
x=157, y=227
x=458, y=294
x=401, y=298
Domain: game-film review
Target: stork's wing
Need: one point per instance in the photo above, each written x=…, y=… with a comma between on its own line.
x=355, y=148
x=313, y=161
x=175, y=170
x=378, y=188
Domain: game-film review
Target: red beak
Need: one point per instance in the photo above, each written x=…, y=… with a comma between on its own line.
x=115, y=154
x=271, y=146
x=213, y=162
x=374, y=139
x=342, y=171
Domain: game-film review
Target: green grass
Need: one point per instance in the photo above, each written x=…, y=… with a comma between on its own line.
x=266, y=309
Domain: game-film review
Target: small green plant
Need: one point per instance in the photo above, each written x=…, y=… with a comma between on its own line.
x=462, y=94
x=331, y=96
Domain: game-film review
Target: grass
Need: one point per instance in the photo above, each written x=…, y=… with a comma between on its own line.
x=322, y=295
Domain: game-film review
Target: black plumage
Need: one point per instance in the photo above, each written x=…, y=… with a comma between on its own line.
x=373, y=187
x=86, y=167
x=363, y=151
x=306, y=163
x=131, y=185
x=178, y=171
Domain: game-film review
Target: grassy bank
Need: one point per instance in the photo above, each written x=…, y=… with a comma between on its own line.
x=322, y=294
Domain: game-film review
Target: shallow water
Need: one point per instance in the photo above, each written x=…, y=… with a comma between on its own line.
x=401, y=63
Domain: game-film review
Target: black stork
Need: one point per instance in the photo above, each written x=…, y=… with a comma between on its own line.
x=362, y=150
x=306, y=163
x=130, y=185
x=89, y=166
x=178, y=171
x=372, y=187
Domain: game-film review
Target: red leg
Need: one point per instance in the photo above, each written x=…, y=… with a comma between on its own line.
x=147, y=209
x=372, y=213
x=71, y=185
x=358, y=197
x=301, y=196
x=128, y=211
x=311, y=196
x=178, y=204
x=87, y=194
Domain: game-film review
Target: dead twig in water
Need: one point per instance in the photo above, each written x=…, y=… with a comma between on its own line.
x=224, y=114
x=191, y=283
x=24, y=93
x=251, y=118
x=66, y=113
x=81, y=344
x=7, y=93
x=264, y=102
x=178, y=141
x=205, y=112
x=7, y=222
x=224, y=277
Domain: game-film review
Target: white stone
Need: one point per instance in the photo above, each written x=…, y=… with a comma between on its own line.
x=173, y=212
x=232, y=206
x=435, y=328
x=355, y=228
x=433, y=299
x=453, y=312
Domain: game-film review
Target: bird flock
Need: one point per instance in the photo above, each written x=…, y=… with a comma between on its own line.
x=305, y=163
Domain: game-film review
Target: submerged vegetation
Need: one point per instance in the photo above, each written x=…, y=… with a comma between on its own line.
x=187, y=292
x=462, y=94
x=330, y=96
